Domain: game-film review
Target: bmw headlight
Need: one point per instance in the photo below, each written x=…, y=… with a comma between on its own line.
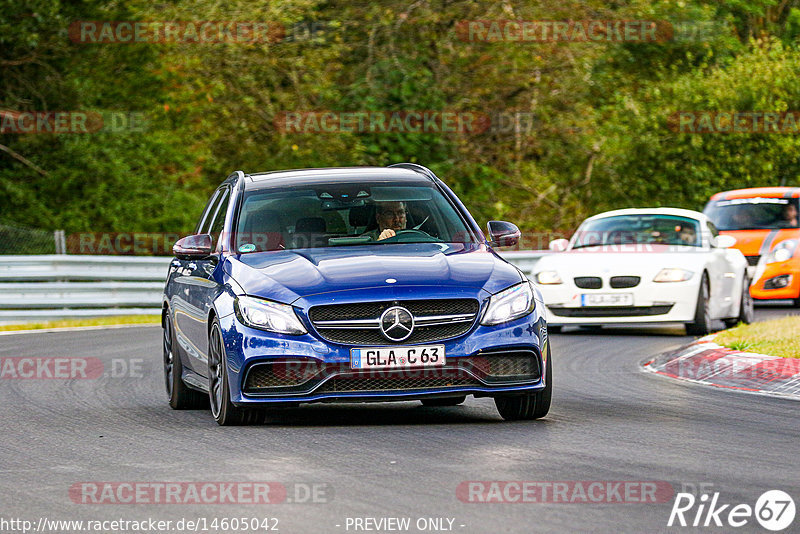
x=512, y=303
x=548, y=278
x=673, y=275
x=268, y=315
x=782, y=251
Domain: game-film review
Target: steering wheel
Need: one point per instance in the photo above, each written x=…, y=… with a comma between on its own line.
x=411, y=231
x=408, y=232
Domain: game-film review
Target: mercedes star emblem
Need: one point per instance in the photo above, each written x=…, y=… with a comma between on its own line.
x=397, y=323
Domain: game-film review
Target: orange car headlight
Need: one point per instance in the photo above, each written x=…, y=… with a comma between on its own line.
x=783, y=251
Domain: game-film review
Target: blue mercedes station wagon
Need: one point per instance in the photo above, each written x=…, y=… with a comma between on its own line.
x=355, y=284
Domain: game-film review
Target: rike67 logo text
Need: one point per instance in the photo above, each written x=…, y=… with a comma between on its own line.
x=774, y=510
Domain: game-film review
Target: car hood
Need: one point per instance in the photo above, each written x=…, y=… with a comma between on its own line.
x=642, y=259
x=758, y=242
x=287, y=275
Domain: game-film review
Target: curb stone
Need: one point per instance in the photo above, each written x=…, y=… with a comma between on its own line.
x=705, y=362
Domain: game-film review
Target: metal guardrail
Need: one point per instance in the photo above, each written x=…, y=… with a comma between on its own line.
x=51, y=287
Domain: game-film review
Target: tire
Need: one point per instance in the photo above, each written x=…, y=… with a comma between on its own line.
x=701, y=325
x=526, y=407
x=179, y=395
x=219, y=393
x=555, y=329
x=447, y=401
x=746, y=312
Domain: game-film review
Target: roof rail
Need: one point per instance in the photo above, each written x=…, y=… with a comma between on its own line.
x=417, y=168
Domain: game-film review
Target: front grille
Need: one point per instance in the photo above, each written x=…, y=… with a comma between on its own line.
x=282, y=374
x=373, y=310
x=618, y=282
x=611, y=311
x=752, y=260
x=421, y=334
x=504, y=366
x=589, y=282
x=302, y=375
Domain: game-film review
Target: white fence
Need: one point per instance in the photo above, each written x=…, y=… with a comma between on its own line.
x=51, y=287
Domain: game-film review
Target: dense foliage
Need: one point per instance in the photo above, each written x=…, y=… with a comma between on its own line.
x=592, y=119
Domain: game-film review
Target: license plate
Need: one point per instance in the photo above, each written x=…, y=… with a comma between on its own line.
x=607, y=299
x=397, y=357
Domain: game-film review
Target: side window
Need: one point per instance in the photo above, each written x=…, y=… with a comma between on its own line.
x=218, y=222
x=208, y=213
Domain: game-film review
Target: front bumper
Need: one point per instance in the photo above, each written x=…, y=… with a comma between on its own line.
x=319, y=370
x=653, y=302
x=766, y=272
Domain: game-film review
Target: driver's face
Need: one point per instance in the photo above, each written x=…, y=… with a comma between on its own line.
x=391, y=215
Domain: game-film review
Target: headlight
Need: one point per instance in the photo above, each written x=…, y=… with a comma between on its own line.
x=268, y=315
x=673, y=275
x=548, y=278
x=783, y=251
x=512, y=303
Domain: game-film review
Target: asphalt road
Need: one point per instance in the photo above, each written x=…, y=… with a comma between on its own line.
x=609, y=422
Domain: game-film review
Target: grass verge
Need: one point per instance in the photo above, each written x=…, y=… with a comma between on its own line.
x=778, y=337
x=89, y=321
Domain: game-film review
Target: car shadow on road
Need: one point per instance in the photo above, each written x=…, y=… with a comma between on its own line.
x=661, y=331
x=384, y=414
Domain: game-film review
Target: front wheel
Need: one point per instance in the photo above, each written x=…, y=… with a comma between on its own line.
x=701, y=325
x=219, y=393
x=533, y=406
x=179, y=395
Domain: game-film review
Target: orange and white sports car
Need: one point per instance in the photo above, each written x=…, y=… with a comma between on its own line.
x=764, y=221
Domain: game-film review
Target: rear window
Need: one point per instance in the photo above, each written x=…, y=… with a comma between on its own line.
x=753, y=213
x=345, y=214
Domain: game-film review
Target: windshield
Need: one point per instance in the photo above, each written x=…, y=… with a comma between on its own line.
x=345, y=214
x=753, y=213
x=638, y=229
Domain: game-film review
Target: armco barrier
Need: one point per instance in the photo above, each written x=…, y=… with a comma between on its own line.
x=51, y=287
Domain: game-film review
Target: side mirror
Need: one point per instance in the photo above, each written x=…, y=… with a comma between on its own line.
x=503, y=234
x=193, y=247
x=558, y=245
x=723, y=241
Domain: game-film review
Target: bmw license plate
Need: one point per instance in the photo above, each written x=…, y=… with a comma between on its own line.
x=397, y=357
x=607, y=299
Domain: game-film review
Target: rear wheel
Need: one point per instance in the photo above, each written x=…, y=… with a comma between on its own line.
x=746, y=312
x=447, y=401
x=219, y=393
x=532, y=406
x=180, y=396
x=702, y=315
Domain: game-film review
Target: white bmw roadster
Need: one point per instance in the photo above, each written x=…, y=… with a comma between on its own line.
x=659, y=265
